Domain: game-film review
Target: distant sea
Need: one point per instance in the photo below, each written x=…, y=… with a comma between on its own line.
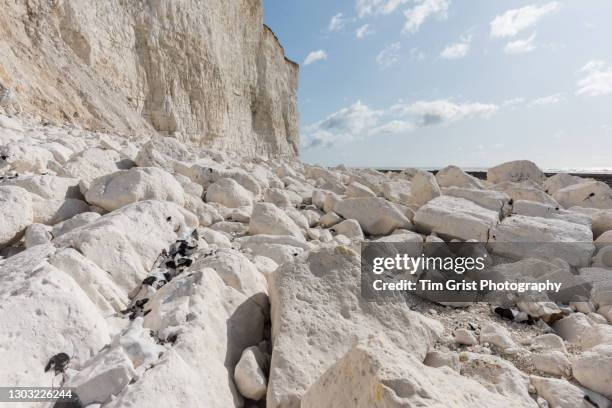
x=572, y=170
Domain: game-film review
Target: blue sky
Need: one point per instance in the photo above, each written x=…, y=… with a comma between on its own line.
x=436, y=82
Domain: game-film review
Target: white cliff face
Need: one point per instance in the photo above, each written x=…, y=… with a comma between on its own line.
x=205, y=72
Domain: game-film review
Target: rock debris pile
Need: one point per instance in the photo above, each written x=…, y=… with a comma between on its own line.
x=151, y=273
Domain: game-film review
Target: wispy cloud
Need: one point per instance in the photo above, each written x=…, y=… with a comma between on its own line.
x=457, y=50
x=363, y=31
x=389, y=55
x=512, y=102
x=521, y=46
x=345, y=125
x=367, y=7
x=417, y=55
x=443, y=111
x=359, y=121
x=416, y=16
x=514, y=21
x=315, y=56
x=596, y=80
x=337, y=22
x=547, y=100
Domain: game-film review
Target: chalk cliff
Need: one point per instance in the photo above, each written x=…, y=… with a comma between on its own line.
x=206, y=72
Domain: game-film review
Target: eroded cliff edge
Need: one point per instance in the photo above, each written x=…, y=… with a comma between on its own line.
x=206, y=72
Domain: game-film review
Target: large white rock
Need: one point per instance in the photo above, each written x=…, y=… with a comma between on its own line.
x=424, y=188
x=74, y=222
x=48, y=186
x=516, y=171
x=51, y=212
x=163, y=152
x=26, y=158
x=355, y=190
x=228, y=192
x=236, y=271
x=559, y=181
x=126, y=242
x=95, y=282
x=279, y=248
x=534, y=209
x=249, y=376
x=552, y=362
x=318, y=313
x=498, y=376
x=349, y=228
x=103, y=376
x=453, y=217
x=573, y=327
x=453, y=176
x=43, y=312
x=379, y=375
x=271, y=220
x=604, y=240
x=496, y=335
x=593, y=369
x=398, y=191
x=601, y=219
x=212, y=324
x=17, y=213
x=590, y=194
x=512, y=236
x=561, y=393
x=376, y=216
x=90, y=164
x=119, y=189
x=490, y=199
x=527, y=190
x=37, y=234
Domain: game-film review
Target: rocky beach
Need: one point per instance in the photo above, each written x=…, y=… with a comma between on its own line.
x=162, y=244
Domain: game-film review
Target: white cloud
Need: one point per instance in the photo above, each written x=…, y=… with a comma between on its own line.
x=366, y=7
x=514, y=21
x=315, y=56
x=457, y=50
x=345, y=125
x=597, y=79
x=513, y=102
x=417, y=15
x=389, y=55
x=417, y=55
x=547, y=100
x=443, y=110
x=362, y=31
x=521, y=46
x=395, y=127
x=337, y=22
x=359, y=121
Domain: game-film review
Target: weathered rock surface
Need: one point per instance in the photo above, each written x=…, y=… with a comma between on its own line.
x=593, y=369
x=269, y=219
x=453, y=176
x=304, y=348
x=126, y=242
x=374, y=376
x=516, y=171
x=119, y=189
x=490, y=199
x=589, y=194
x=171, y=78
x=514, y=234
x=375, y=215
x=453, y=217
x=17, y=213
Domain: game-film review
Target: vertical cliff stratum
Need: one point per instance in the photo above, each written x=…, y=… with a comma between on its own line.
x=207, y=72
